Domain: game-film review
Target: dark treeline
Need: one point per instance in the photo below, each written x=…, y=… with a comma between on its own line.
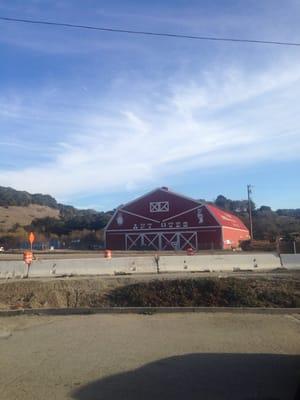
x=63, y=226
x=267, y=224
x=12, y=197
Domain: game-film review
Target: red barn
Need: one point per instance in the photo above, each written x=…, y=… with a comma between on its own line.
x=164, y=220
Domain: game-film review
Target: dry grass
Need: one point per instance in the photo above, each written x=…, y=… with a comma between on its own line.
x=9, y=216
x=209, y=292
x=122, y=292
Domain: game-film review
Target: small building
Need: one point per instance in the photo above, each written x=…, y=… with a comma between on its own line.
x=164, y=220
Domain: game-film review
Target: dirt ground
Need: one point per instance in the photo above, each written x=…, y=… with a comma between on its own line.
x=93, y=291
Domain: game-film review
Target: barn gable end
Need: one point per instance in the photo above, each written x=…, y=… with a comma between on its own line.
x=164, y=220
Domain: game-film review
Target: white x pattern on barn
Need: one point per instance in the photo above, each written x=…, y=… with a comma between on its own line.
x=159, y=206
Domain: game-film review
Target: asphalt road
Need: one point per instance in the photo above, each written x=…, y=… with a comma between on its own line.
x=178, y=356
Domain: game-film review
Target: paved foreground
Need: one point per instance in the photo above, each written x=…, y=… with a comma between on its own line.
x=175, y=356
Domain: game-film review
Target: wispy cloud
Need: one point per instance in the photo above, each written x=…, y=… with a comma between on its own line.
x=237, y=118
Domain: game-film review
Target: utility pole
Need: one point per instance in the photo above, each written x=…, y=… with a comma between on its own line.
x=249, y=190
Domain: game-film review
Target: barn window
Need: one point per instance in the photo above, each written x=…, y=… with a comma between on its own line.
x=159, y=206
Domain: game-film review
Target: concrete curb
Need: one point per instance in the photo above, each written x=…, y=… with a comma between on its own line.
x=147, y=310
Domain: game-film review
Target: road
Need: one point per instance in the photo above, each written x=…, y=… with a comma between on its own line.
x=175, y=356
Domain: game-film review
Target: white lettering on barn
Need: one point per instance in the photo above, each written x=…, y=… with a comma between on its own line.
x=200, y=216
x=169, y=225
x=120, y=219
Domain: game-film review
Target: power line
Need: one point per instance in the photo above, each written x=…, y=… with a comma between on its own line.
x=149, y=33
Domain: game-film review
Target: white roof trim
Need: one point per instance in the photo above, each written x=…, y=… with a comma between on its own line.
x=213, y=215
x=150, y=230
x=183, y=212
x=138, y=215
x=162, y=190
x=121, y=208
x=111, y=219
x=180, y=195
x=140, y=197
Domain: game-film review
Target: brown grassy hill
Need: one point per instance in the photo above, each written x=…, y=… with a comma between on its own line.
x=11, y=215
x=21, y=212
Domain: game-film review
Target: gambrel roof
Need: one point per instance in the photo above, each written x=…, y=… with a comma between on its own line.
x=162, y=205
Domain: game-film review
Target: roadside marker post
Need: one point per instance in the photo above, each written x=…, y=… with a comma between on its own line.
x=28, y=255
x=107, y=253
x=27, y=258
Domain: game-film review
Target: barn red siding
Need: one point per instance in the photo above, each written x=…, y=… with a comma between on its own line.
x=233, y=237
x=177, y=204
x=115, y=241
x=163, y=220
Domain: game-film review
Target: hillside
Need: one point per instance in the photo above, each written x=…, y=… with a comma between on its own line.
x=21, y=212
x=12, y=197
x=24, y=215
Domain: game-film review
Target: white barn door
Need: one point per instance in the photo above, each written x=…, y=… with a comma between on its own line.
x=161, y=240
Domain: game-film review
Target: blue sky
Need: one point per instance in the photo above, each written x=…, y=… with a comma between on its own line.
x=97, y=118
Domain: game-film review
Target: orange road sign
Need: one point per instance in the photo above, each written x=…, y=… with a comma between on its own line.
x=31, y=237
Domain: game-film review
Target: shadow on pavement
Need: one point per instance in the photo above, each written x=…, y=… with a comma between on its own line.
x=203, y=376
